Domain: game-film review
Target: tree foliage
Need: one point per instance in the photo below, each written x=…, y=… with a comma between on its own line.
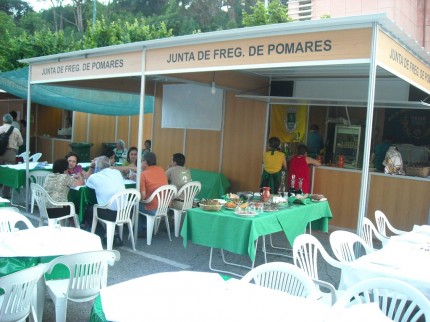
x=69, y=26
x=260, y=15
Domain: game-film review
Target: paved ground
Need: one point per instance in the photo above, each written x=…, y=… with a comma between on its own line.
x=166, y=256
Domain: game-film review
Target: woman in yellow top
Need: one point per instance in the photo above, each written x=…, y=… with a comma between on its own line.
x=274, y=162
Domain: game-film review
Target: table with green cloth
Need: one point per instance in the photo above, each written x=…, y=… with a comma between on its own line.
x=228, y=231
x=4, y=202
x=14, y=175
x=83, y=197
x=214, y=184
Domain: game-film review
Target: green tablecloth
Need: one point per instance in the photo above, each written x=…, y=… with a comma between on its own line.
x=14, y=178
x=226, y=230
x=85, y=197
x=214, y=184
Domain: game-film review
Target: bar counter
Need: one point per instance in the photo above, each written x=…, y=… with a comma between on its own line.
x=404, y=199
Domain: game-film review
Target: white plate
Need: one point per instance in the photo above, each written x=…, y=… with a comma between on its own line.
x=322, y=199
x=221, y=201
x=246, y=214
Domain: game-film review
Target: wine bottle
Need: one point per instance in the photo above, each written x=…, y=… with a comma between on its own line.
x=300, y=190
x=292, y=189
x=281, y=189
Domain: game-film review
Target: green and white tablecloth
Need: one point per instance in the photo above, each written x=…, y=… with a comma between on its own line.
x=225, y=230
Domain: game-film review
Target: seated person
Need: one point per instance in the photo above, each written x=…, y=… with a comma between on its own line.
x=178, y=175
x=151, y=178
x=120, y=151
x=108, y=152
x=147, y=146
x=106, y=182
x=73, y=160
x=129, y=167
x=57, y=185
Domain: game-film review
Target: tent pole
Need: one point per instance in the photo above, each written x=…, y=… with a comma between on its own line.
x=362, y=209
x=140, y=134
x=27, y=142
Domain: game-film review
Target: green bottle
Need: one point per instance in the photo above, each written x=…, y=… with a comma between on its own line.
x=287, y=151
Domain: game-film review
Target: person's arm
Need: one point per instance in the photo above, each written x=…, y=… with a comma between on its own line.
x=78, y=181
x=90, y=170
x=284, y=163
x=313, y=161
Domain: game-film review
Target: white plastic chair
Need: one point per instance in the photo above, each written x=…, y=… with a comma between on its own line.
x=88, y=274
x=164, y=196
x=125, y=201
x=283, y=277
x=187, y=192
x=19, y=288
x=37, y=176
x=41, y=197
x=306, y=250
x=24, y=156
x=399, y=301
x=9, y=219
x=35, y=157
x=368, y=231
x=383, y=225
x=346, y=245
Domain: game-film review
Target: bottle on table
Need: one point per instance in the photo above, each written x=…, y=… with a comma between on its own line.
x=300, y=190
x=281, y=189
x=292, y=190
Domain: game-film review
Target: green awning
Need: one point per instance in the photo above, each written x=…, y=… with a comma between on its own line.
x=74, y=99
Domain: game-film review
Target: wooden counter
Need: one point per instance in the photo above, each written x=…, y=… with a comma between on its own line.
x=405, y=200
x=52, y=148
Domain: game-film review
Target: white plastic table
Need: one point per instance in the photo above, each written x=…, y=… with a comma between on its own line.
x=405, y=257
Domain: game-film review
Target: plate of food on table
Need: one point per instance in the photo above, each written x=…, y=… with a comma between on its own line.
x=317, y=198
x=210, y=205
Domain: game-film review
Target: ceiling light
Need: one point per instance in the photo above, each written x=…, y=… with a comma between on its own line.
x=213, y=88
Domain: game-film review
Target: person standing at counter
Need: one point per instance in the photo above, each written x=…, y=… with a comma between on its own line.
x=315, y=141
x=379, y=153
x=15, y=140
x=299, y=167
x=274, y=162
